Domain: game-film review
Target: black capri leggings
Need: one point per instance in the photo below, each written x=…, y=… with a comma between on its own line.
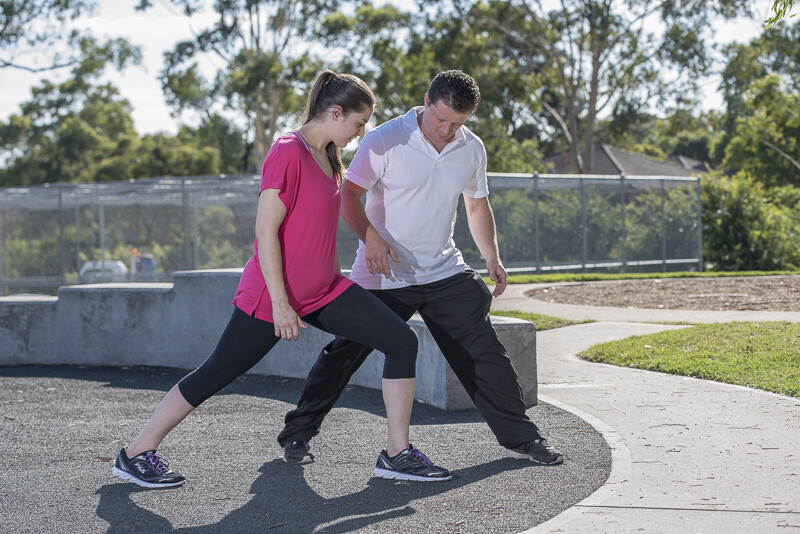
x=355, y=314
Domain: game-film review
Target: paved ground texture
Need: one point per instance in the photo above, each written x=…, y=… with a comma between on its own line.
x=646, y=452
x=60, y=428
x=688, y=455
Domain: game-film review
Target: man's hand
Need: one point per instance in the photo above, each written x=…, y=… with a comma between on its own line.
x=378, y=252
x=498, y=274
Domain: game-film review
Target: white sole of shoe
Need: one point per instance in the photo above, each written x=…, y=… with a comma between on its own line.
x=517, y=455
x=394, y=475
x=124, y=475
x=304, y=461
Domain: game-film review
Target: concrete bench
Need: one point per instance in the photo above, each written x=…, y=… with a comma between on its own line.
x=178, y=324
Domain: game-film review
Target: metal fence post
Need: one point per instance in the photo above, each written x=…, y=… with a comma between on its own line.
x=663, y=227
x=62, y=251
x=503, y=238
x=102, y=217
x=187, y=245
x=2, y=244
x=699, y=226
x=622, y=216
x=584, y=237
x=77, y=236
x=93, y=242
x=195, y=238
x=536, y=256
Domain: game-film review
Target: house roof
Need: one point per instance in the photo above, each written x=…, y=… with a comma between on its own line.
x=689, y=163
x=613, y=160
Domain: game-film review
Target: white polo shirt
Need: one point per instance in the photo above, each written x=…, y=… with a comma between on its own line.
x=412, y=196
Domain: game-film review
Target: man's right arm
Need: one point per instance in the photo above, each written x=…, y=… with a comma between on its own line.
x=378, y=250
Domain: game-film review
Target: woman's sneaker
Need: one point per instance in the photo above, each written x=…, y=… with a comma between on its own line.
x=538, y=451
x=410, y=464
x=148, y=469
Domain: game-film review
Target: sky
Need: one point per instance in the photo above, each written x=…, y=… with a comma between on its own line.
x=162, y=26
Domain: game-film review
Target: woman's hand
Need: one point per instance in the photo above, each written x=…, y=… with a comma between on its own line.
x=286, y=321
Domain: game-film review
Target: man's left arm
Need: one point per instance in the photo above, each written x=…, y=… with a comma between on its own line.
x=482, y=228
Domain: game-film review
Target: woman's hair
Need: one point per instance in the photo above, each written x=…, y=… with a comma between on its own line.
x=344, y=90
x=456, y=90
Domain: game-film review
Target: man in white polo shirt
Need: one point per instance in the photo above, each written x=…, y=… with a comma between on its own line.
x=413, y=169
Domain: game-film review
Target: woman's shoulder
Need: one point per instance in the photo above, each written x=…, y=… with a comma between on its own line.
x=289, y=141
x=287, y=146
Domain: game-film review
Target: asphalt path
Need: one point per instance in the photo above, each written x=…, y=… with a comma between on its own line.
x=62, y=426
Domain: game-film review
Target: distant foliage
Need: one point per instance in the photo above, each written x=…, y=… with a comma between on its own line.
x=749, y=227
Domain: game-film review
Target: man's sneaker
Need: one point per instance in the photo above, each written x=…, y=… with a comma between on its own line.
x=537, y=451
x=149, y=470
x=297, y=452
x=410, y=464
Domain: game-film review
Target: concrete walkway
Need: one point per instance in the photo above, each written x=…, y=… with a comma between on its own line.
x=688, y=455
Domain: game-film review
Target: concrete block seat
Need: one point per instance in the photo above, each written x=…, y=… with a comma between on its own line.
x=178, y=324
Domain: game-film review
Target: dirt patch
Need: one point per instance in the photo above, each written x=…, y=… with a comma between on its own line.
x=761, y=293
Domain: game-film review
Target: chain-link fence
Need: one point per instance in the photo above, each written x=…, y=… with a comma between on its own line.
x=144, y=230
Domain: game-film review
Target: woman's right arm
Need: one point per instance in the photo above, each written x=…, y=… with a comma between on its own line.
x=271, y=212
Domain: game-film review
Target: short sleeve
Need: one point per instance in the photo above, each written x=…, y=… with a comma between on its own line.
x=281, y=169
x=478, y=185
x=369, y=163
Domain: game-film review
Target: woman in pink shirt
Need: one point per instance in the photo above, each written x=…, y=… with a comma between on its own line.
x=293, y=279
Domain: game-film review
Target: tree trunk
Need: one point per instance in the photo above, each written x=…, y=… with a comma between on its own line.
x=261, y=137
x=592, y=111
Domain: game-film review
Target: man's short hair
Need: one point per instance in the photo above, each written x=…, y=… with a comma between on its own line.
x=456, y=90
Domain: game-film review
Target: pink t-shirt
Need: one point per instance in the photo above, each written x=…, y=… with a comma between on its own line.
x=307, y=234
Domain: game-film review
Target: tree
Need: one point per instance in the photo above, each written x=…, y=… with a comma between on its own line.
x=82, y=131
x=400, y=70
x=781, y=8
x=215, y=131
x=776, y=51
x=749, y=227
x=36, y=35
x=766, y=142
x=593, y=59
x=30, y=28
x=774, y=54
x=266, y=66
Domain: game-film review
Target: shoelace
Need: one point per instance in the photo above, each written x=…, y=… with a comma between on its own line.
x=159, y=464
x=416, y=453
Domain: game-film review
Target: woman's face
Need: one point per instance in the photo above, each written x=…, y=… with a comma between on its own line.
x=347, y=127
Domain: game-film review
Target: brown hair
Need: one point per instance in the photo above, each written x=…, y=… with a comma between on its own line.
x=344, y=90
x=456, y=90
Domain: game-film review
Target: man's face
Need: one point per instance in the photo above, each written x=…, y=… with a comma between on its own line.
x=439, y=121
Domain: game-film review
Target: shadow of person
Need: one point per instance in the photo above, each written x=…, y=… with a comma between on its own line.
x=283, y=500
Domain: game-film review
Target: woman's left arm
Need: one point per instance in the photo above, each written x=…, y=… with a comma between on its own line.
x=271, y=212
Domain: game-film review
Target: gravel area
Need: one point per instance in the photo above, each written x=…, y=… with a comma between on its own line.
x=61, y=427
x=757, y=293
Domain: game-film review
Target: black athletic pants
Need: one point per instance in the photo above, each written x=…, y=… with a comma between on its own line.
x=456, y=311
x=355, y=314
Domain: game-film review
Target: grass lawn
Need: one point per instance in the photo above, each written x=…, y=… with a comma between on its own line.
x=764, y=355
x=542, y=322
